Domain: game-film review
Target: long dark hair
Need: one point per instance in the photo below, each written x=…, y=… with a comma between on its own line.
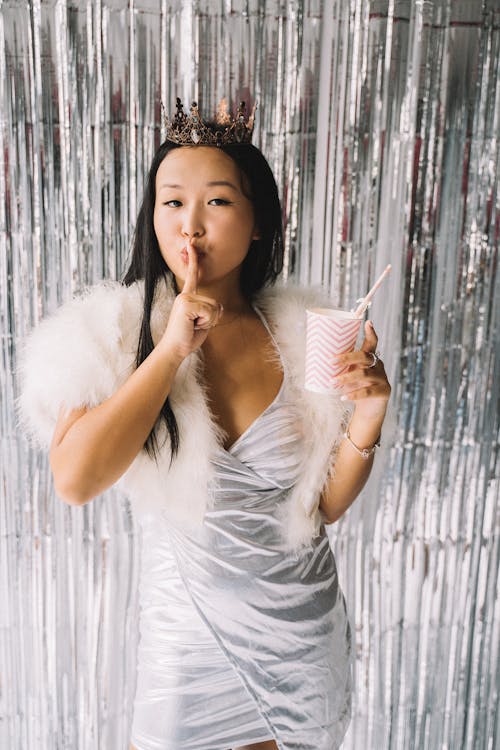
x=261, y=266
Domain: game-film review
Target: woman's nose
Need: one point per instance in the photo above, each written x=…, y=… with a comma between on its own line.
x=192, y=224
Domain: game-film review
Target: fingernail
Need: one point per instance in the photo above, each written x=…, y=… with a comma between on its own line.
x=370, y=324
x=343, y=398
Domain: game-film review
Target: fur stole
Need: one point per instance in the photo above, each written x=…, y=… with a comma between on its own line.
x=86, y=350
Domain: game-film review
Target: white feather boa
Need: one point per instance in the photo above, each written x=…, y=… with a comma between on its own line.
x=83, y=353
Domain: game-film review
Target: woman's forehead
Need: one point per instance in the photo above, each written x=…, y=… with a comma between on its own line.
x=198, y=161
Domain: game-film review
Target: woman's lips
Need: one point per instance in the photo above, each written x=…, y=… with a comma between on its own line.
x=184, y=255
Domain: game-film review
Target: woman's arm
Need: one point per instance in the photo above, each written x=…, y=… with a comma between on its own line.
x=369, y=388
x=91, y=449
x=351, y=470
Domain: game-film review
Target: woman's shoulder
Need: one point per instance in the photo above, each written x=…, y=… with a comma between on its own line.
x=291, y=299
x=94, y=311
x=113, y=296
x=77, y=354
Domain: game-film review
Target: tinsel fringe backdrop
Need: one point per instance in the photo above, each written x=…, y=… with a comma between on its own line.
x=381, y=120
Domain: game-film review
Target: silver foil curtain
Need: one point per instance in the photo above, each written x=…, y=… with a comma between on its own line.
x=381, y=120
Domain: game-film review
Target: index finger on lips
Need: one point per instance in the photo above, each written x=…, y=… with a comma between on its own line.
x=191, y=282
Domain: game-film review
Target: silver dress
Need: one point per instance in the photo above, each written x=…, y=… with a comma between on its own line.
x=241, y=640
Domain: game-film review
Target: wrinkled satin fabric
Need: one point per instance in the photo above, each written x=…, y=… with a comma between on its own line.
x=241, y=640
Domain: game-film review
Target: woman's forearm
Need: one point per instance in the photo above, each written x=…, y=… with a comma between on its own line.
x=92, y=450
x=351, y=471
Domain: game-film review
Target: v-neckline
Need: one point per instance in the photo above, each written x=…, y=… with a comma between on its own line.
x=275, y=399
x=257, y=419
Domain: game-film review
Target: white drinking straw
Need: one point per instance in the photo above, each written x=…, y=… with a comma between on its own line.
x=366, y=300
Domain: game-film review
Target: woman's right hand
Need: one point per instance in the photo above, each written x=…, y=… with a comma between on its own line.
x=191, y=316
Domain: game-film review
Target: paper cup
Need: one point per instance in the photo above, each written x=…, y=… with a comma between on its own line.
x=329, y=332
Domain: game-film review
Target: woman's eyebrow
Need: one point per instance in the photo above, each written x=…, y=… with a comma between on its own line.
x=222, y=182
x=209, y=184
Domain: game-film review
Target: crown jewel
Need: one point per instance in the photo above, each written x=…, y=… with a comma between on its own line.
x=188, y=129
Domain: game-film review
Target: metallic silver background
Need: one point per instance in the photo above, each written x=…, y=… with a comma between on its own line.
x=381, y=119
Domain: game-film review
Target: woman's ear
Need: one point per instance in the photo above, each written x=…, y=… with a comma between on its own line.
x=256, y=234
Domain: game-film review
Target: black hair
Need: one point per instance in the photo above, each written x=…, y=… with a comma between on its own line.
x=260, y=268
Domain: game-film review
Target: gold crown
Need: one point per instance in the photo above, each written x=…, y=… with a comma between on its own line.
x=190, y=130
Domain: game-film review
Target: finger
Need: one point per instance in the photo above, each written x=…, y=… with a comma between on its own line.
x=373, y=387
x=359, y=358
x=206, y=323
x=371, y=339
x=191, y=282
x=213, y=310
x=208, y=300
x=194, y=306
x=358, y=379
x=206, y=316
x=366, y=392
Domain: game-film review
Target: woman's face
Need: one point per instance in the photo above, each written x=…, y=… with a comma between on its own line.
x=199, y=196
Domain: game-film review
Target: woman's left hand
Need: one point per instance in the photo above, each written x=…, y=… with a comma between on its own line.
x=364, y=383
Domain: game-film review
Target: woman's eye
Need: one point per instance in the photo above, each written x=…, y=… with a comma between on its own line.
x=219, y=202
x=169, y=203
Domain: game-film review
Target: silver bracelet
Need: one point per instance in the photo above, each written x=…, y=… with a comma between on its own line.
x=365, y=453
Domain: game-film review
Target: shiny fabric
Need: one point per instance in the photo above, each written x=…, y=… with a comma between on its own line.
x=241, y=640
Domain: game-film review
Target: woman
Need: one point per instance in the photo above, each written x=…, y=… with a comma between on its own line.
x=185, y=385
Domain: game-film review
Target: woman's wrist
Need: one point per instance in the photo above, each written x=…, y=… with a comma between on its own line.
x=170, y=354
x=364, y=431
x=366, y=451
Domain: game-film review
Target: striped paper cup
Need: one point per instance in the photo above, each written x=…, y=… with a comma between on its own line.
x=329, y=332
